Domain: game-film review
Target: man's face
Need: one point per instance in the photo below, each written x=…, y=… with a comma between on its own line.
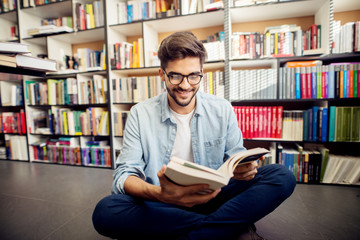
x=182, y=97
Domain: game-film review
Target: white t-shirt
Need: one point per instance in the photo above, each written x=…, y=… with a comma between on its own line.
x=182, y=146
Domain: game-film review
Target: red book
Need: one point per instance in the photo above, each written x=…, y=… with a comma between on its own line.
x=251, y=124
x=242, y=44
x=251, y=45
x=273, y=121
x=18, y=127
x=82, y=18
x=303, y=82
x=35, y=152
x=279, y=121
x=237, y=114
x=282, y=41
x=308, y=82
x=247, y=120
x=261, y=123
x=351, y=93
x=323, y=84
x=313, y=36
x=256, y=122
x=243, y=120
x=269, y=120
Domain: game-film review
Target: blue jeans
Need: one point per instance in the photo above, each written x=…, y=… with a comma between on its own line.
x=239, y=204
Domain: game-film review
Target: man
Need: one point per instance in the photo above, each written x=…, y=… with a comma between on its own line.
x=197, y=127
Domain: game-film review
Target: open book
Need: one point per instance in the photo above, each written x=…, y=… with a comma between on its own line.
x=188, y=173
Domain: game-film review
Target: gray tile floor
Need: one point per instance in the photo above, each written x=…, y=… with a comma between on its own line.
x=46, y=201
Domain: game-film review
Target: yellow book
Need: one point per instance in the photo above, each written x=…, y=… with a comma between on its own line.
x=276, y=38
x=102, y=89
x=341, y=82
x=51, y=87
x=135, y=54
x=306, y=166
x=90, y=12
x=66, y=132
x=211, y=81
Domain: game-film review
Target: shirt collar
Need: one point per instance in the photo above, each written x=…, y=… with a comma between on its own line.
x=165, y=109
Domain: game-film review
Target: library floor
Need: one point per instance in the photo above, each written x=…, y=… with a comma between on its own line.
x=45, y=201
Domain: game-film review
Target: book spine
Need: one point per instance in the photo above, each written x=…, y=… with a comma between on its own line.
x=324, y=127
x=332, y=112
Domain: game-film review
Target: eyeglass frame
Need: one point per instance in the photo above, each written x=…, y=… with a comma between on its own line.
x=184, y=76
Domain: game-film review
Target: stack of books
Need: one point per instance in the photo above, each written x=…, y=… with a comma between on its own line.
x=17, y=55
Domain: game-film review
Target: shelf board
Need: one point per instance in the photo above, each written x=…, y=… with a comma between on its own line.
x=51, y=10
x=9, y=16
x=268, y=62
x=346, y=5
x=60, y=135
x=9, y=73
x=193, y=21
x=70, y=105
x=138, y=71
x=261, y=12
x=73, y=73
x=83, y=36
x=130, y=29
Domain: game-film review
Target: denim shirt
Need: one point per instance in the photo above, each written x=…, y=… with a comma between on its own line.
x=150, y=133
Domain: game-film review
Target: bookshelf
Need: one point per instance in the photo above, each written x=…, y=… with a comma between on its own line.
x=113, y=29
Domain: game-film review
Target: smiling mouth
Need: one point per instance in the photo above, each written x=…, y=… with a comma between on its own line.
x=184, y=93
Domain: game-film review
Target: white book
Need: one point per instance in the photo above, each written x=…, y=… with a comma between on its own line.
x=187, y=173
x=193, y=6
x=11, y=47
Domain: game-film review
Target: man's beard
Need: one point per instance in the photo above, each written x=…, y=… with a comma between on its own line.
x=178, y=101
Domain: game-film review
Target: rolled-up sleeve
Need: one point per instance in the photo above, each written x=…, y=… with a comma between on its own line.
x=130, y=162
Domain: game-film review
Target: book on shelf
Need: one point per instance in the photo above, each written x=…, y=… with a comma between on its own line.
x=119, y=122
x=342, y=170
x=187, y=173
x=12, y=47
x=345, y=37
x=13, y=122
x=89, y=15
x=11, y=93
x=48, y=29
x=16, y=147
x=253, y=84
x=259, y=122
x=344, y=124
x=29, y=62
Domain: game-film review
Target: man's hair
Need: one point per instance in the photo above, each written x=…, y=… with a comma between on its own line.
x=180, y=45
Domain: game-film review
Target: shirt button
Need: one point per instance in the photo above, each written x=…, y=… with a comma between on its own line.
x=168, y=150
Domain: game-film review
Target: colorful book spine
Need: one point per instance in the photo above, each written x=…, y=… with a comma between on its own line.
x=324, y=124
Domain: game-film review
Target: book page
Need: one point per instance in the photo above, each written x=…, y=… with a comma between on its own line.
x=241, y=158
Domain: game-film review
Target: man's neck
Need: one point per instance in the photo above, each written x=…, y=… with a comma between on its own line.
x=181, y=109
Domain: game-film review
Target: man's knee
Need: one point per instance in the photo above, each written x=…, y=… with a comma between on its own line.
x=100, y=216
x=281, y=176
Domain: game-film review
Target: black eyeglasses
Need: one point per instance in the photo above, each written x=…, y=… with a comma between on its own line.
x=177, y=78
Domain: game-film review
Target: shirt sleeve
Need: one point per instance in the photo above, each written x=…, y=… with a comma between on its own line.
x=234, y=137
x=130, y=161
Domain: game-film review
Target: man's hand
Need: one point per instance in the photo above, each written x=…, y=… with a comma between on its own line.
x=247, y=171
x=187, y=196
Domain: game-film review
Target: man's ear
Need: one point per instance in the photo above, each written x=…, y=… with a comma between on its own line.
x=161, y=73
